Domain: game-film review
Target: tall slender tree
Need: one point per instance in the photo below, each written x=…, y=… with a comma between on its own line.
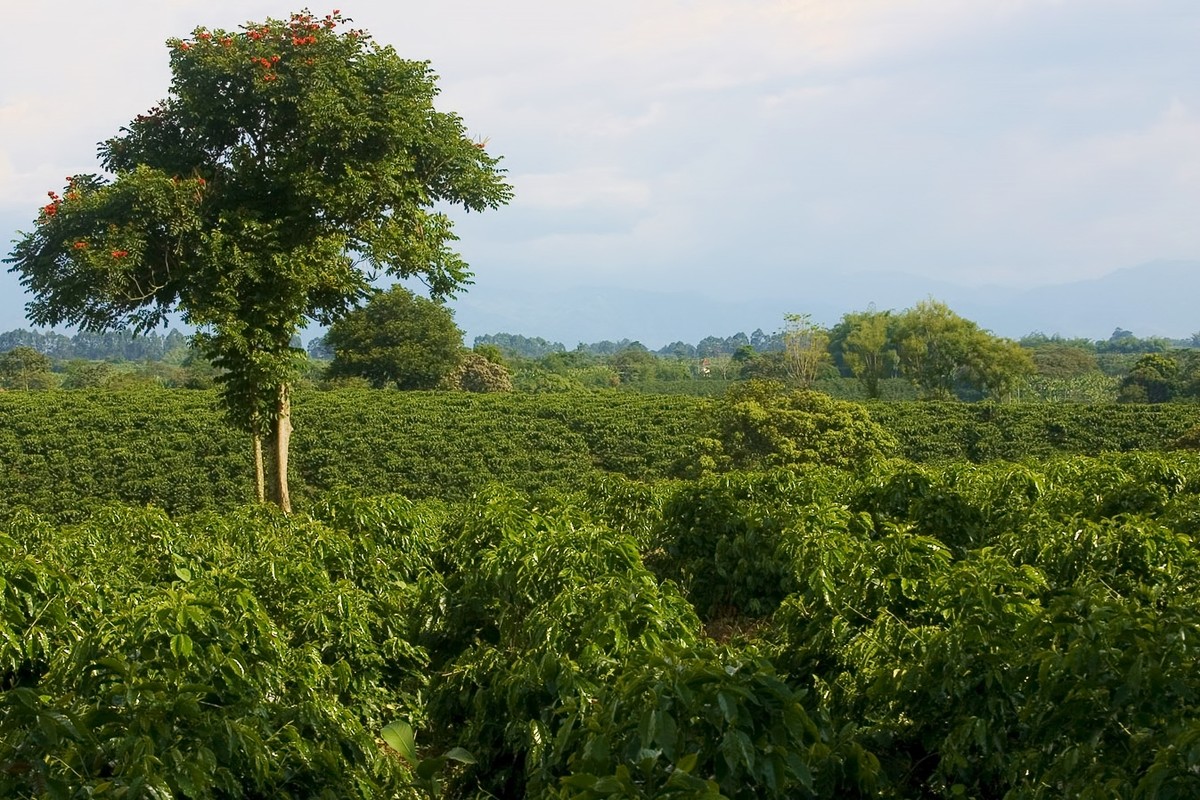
x=290, y=160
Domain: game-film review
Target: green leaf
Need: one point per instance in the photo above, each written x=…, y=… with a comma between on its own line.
x=460, y=755
x=399, y=736
x=181, y=645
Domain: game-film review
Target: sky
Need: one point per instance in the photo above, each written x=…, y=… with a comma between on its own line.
x=727, y=149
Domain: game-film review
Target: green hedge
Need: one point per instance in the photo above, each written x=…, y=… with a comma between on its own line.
x=980, y=432
x=60, y=451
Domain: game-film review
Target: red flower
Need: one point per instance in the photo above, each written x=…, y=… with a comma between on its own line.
x=50, y=210
x=81, y=245
x=119, y=253
x=184, y=46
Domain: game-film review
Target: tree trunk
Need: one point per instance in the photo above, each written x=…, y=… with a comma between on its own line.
x=260, y=473
x=283, y=438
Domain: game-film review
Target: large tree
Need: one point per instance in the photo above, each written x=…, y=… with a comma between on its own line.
x=396, y=339
x=290, y=159
x=864, y=343
x=941, y=352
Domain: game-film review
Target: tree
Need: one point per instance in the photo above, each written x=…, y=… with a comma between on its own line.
x=1154, y=378
x=477, y=373
x=1056, y=360
x=396, y=339
x=940, y=352
x=634, y=364
x=26, y=368
x=290, y=159
x=806, y=348
x=865, y=343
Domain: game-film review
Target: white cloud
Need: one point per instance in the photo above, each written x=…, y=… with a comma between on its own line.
x=1015, y=136
x=585, y=187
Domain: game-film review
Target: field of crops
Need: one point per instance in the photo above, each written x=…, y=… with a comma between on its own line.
x=592, y=630
x=62, y=452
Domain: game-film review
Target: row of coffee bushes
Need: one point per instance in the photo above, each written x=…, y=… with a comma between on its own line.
x=61, y=451
x=904, y=631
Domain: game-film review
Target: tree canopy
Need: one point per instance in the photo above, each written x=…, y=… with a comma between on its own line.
x=396, y=339
x=290, y=160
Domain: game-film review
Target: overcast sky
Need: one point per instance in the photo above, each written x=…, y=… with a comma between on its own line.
x=721, y=146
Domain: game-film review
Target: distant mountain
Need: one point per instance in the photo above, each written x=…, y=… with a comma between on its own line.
x=1154, y=299
x=1159, y=298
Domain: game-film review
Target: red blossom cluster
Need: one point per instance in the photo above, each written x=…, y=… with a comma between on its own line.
x=119, y=253
x=205, y=35
x=51, y=208
x=81, y=245
x=302, y=40
x=266, y=64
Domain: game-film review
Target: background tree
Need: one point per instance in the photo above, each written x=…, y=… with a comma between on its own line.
x=942, y=353
x=396, y=339
x=289, y=158
x=864, y=342
x=1154, y=378
x=805, y=347
x=1060, y=360
x=476, y=372
x=26, y=368
x=634, y=364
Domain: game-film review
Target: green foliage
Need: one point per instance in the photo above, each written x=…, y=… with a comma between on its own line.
x=720, y=538
x=979, y=432
x=865, y=347
x=281, y=150
x=396, y=339
x=941, y=352
x=539, y=611
x=805, y=348
x=1151, y=380
x=707, y=723
x=180, y=666
x=634, y=364
x=25, y=368
x=997, y=630
x=1061, y=360
x=63, y=452
x=477, y=373
x=762, y=424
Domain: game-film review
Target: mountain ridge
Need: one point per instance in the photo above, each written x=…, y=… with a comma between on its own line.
x=1150, y=299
